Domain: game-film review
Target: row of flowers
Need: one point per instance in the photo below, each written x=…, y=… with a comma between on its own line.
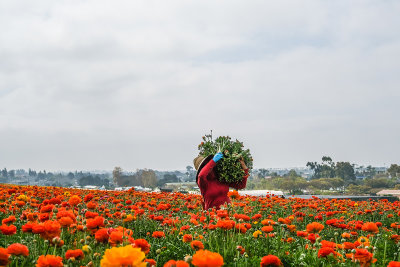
x=51, y=226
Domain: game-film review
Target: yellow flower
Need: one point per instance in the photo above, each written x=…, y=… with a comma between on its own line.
x=23, y=198
x=129, y=218
x=123, y=256
x=86, y=248
x=257, y=233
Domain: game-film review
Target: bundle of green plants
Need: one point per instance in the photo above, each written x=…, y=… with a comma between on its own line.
x=229, y=169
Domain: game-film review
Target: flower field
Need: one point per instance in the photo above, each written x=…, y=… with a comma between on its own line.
x=52, y=226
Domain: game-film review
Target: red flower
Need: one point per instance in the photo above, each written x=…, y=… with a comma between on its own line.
x=270, y=260
x=142, y=244
x=158, y=234
x=325, y=251
x=4, y=256
x=93, y=224
x=102, y=235
x=187, y=238
x=18, y=249
x=302, y=233
x=173, y=263
x=151, y=262
x=27, y=228
x=8, y=220
x=196, y=245
x=314, y=227
x=76, y=254
x=8, y=230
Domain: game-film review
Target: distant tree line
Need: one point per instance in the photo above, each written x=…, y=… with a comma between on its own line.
x=144, y=178
x=329, y=177
x=94, y=180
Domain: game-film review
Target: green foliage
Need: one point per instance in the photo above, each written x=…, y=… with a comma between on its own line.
x=93, y=180
x=345, y=170
x=228, y=168
x=358, y=189
x=330, y=169
x=378, y=182
x=394, y=171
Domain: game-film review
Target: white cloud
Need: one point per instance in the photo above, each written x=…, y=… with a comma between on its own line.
x=94, y=84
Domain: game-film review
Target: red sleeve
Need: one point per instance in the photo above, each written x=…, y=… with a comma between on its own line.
x=243, y=183
x=205, y=171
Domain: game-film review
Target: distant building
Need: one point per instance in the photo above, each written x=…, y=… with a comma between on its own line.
x=180, y=186
x=260, y=193
x=388, y=192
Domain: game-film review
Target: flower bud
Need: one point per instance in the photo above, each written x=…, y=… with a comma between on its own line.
x=188, y=259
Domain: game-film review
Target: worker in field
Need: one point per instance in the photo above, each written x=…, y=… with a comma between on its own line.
x=214, y=192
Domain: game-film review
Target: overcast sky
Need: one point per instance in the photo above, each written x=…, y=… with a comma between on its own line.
x=96, y=84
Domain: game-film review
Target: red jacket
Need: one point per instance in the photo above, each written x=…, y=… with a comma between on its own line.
x=214, y=192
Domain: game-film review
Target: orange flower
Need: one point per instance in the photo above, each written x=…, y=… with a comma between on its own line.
x=291, y=227
x=370, y=227
x=51, y=230
x=205, y=258
x=4, y=257
x=362, y=240
x=241, y=228
x=267, y=228
x=115, y=238
x=267, y=222
x=233, y=194
x=394, y=264
x=270, y=260
x=76, y=254
x=314, y=227
x=172, y=263
x=348, y=245
x=18, y=249
x=65, y=221
x=91, y=205
x=74, y=200
x=49, y=261
x=225, y=224
x=143, y=245
x=363, y=256
x=123, y=256
x=196, y=245
x=346, y=235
